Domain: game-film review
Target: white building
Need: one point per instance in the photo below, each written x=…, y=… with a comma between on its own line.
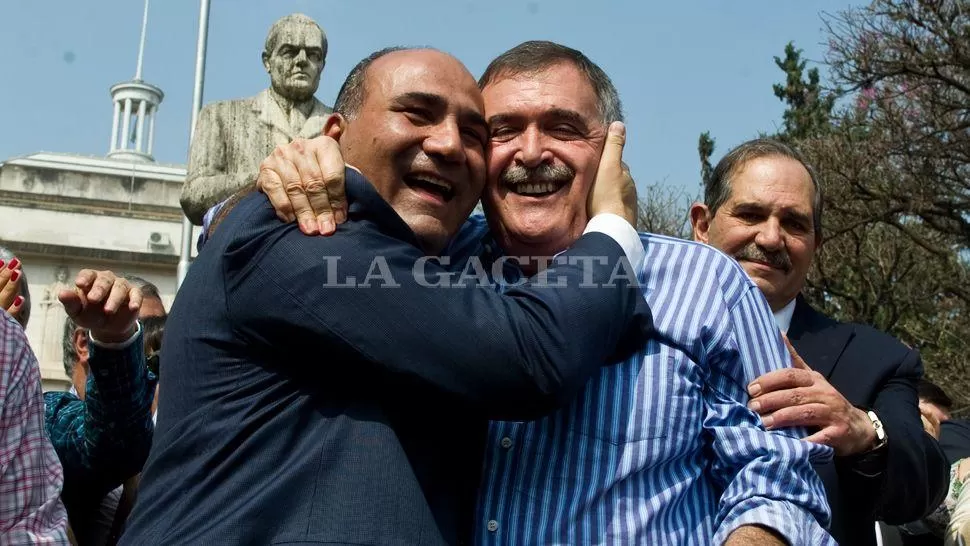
x=64, y=212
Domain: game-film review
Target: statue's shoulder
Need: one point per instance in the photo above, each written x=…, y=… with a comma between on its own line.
x=225, y=107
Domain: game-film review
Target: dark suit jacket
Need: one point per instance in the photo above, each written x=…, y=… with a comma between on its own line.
x=296, y=412
x=874, y=371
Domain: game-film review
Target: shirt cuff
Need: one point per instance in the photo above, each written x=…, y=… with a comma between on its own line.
x=121, y=344
x=618, y=229
x=795, y=524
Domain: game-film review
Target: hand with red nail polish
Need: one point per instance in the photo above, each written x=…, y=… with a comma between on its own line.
x=10, y=276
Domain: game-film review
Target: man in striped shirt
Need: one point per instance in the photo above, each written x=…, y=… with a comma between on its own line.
x=659, y=448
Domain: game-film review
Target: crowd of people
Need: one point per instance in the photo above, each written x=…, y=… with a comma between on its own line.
x=356, y=358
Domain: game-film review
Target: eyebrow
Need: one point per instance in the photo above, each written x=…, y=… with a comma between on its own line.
x=560, y=114
x=752, y=206
x=469, y=117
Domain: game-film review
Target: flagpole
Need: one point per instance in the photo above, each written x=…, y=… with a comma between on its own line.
x=186, y=254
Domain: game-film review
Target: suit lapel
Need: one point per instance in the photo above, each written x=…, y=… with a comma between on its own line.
x=818, y=339
x=314, y=122
x=271, y=114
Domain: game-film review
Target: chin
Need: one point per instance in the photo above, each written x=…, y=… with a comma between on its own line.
x=299, y=93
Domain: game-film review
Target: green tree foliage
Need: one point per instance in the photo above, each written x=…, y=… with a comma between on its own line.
x=808, y=106
x=895, y=165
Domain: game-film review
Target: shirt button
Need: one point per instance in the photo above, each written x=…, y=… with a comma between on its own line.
x=492, y=525
x=506, y=442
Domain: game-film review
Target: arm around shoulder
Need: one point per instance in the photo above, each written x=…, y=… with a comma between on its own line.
x=513, y=355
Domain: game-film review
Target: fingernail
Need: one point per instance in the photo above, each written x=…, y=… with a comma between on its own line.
x=754, y=389
x=13, y=264
x=328, y=226
x=307, y=226
x=617, y=127
x=18, y=301
x=15, y=275
x=767, y=421
x=754, y=406
x=1, y=263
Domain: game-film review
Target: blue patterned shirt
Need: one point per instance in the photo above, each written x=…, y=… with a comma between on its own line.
x=660, y=448
x=105, y=438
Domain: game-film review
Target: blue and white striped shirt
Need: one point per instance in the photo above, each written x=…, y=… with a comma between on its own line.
x=659, y=449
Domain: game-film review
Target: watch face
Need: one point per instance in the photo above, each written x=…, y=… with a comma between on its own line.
x=877, y=425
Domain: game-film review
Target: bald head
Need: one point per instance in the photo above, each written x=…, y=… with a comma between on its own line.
x=407, y=116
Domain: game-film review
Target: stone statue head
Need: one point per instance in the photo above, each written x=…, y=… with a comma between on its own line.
x=60, y=274
x=294, y=55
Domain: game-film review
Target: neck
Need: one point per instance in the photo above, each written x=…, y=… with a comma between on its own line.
x=775, y=307
x=532, y=258
x=288, y=104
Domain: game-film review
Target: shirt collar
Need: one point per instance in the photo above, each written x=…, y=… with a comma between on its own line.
x=783, y=316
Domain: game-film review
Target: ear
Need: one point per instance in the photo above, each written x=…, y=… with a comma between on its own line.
x=265, y=57
x=80, y=341
x=335, y=126
x=700, y=222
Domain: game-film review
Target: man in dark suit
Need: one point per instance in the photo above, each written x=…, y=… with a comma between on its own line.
x=328, y=389
x=856, y=386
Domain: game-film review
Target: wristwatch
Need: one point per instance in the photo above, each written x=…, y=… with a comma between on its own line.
x=871, y=463
x=881, y=438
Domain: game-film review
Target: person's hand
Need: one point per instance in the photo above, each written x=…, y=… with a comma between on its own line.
x=931, y=423
x=614, y=190
x=10, y=298
x=104, y=303
x=801, y=397
x=304, y=181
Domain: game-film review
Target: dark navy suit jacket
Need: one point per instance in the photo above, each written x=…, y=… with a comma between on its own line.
x=873, y=370
x=296, y=412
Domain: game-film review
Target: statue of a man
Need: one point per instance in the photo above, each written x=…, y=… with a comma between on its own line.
x=233, y=137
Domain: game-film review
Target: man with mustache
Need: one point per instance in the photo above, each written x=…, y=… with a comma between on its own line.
x=232, y=136
x=856, y=388
x=658, y=448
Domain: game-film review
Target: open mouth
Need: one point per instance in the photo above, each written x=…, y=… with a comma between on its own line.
x=540, y=189
x=431, y=185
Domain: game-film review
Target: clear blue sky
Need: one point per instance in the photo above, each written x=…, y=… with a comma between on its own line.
x=681, y=66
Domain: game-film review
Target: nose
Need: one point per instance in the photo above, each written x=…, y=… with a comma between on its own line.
x=444, y=141
x=301, y=57
x=769, y=235
x=531, y=152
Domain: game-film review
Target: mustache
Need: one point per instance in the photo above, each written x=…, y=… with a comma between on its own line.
x=776, y=258
x=544, y=173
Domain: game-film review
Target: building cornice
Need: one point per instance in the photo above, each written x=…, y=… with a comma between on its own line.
x=92, y=257
x=99, y=165
x=89, y=206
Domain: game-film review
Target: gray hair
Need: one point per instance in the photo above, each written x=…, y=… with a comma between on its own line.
x=6, y=255
x=351, y=95
x=717, y=190
x=540, y=55
x=273, y=37
x=148, y=290
x=67, y=346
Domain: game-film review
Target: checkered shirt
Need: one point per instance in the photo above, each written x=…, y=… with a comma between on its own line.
x=31, y=478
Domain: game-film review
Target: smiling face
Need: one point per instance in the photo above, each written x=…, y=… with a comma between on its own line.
x=766, y=224
x=547, y=135
x=419, y=136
